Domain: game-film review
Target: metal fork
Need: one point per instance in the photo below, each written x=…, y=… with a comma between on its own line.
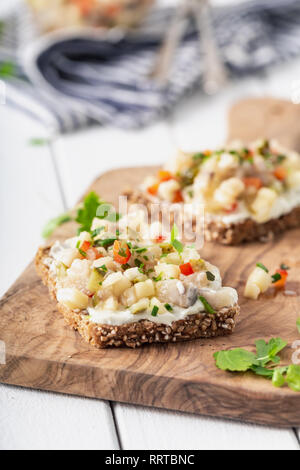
x=214, y=73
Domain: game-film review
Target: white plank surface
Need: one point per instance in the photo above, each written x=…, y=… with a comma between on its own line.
x=33, y=420
x=148, y=428
x=29, y=193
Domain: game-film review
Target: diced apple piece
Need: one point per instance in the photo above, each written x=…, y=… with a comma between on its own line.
x=258, y=282
x=263, y=203
x=134, y=275
x=261, y=278
x=61, y=271
x=105, y=261
x=168, y=271
x=173, y=258
x=122, y=285
x=94, y=281
x=228, y=191
x=168, y=189
x=84, y=237
x=154, y=302
x=189, y=254
x=128, y=297
x=111, y=304
x=144, y=289
x=112, y=279
x=142, y=304
x=293, y=179
x=72, y=298
x=252, y=291
x=67, y=256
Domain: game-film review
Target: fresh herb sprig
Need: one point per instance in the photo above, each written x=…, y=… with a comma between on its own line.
x=241, y=360
x=91, y=207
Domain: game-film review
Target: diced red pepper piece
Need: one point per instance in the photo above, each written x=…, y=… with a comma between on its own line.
x=122, y=253
x=280, y=173
x=159, y=239
x=87, y=251
x=256, y=182
x=281, y=282
x=178, y=197
x=164, y=175
x=232, y=208
x=186, y=269
x=153, y=189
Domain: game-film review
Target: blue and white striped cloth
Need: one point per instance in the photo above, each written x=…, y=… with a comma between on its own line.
x=68, y=82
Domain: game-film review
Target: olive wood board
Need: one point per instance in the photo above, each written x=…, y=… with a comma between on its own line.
x=42, y=352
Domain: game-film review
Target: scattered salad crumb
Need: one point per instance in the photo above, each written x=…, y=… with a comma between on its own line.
x=260, y=280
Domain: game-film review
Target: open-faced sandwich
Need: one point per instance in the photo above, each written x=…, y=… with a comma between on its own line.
x=248, y=192
x=127, y=292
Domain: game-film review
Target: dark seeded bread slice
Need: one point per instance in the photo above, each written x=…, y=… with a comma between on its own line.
x=135, y=334
x=235, y=234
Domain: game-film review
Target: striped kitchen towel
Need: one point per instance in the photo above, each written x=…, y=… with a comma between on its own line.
x=69, y=81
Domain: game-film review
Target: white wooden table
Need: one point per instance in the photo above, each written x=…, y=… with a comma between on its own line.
x=37, y=183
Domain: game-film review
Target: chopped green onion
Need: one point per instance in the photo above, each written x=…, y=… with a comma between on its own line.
x=97, y=231
x=210, y=276
x=168, y=307
x=154, y=311
x=207, y=306
x=284, y=266
x=262, y=266
x=83, y=253
x=276, y=277
x=158, y=278
x=102, y=268
x=105, y=243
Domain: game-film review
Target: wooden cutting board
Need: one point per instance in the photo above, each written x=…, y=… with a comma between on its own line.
x=43, y=353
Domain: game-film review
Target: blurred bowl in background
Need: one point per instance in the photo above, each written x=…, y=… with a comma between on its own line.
x=58, y=14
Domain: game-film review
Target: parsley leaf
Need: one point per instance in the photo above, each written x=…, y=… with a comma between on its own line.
x=241, y=360
x=87, y=212
x=278, y=378
x=267, y=352
x=235, y=360
x=293, y=377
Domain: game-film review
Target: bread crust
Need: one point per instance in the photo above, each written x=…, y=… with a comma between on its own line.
x=236, y=234
x=136, y=334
